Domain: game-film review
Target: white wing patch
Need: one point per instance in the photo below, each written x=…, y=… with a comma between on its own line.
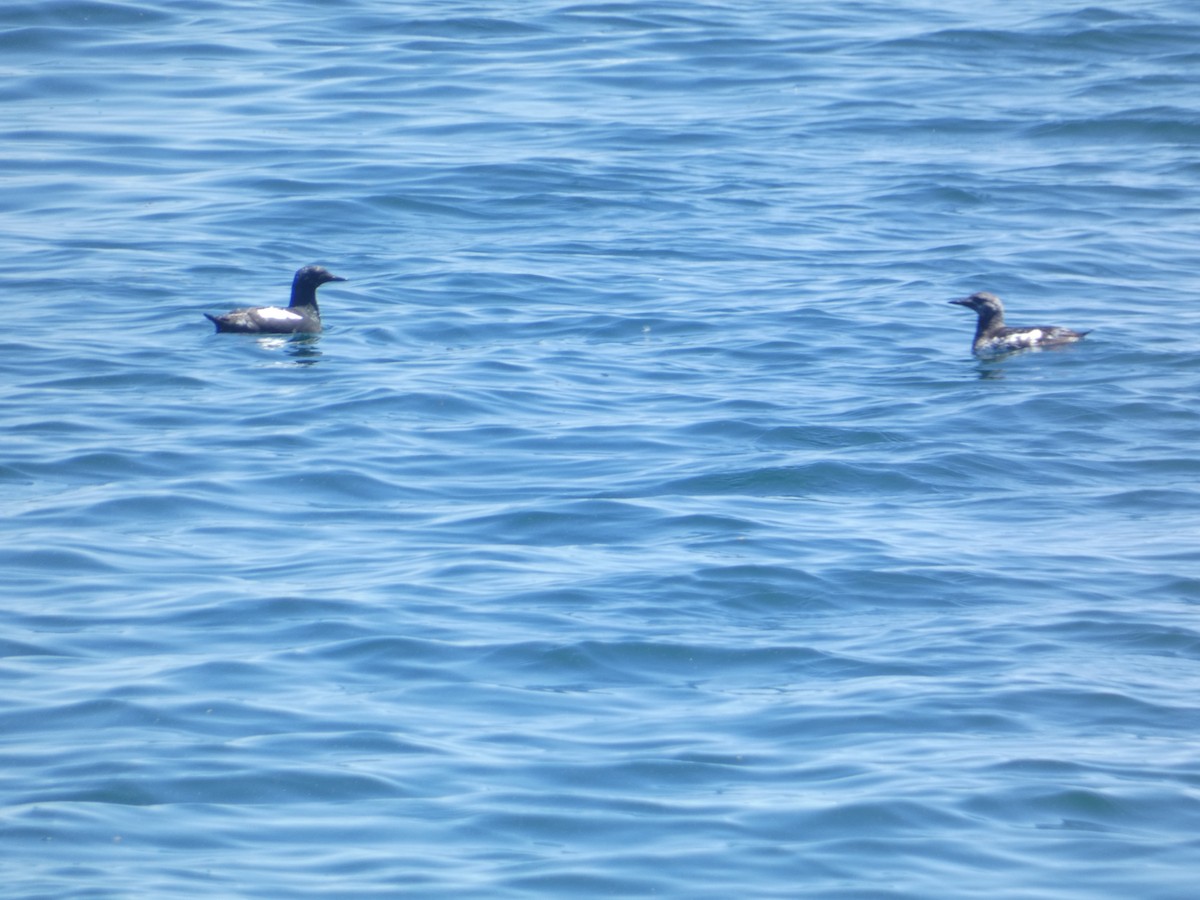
x=275, y=314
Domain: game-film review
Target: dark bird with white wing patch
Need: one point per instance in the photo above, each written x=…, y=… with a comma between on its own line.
x=302, y=316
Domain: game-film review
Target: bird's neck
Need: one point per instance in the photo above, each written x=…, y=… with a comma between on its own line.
x=304, y=295
x=989, y=320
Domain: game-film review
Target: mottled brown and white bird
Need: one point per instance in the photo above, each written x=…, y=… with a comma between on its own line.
x=993, y=337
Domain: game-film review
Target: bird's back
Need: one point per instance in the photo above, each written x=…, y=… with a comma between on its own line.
x=268, y=320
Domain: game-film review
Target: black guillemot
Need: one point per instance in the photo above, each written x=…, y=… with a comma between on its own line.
x=301, y=316
x=993, y=338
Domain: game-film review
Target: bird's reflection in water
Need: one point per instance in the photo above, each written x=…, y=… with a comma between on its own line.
x=301, y=348
x=991, y=368
x=990, y=372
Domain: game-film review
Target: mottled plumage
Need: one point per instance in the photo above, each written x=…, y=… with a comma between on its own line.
x=300, y=316
x=993, y=338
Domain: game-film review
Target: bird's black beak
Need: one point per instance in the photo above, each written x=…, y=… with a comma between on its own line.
x=337, y=278
x=962, y=301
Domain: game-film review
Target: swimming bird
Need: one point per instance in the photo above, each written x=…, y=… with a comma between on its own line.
x=993, y=338
x=301, y=316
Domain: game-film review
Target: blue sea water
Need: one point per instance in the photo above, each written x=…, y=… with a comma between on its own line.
x=641, y=524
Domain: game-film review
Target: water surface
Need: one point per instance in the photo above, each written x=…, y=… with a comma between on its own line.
x=640, y=525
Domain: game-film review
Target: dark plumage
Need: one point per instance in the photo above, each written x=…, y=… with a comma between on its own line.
x=301, y=316
x=993, y=338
